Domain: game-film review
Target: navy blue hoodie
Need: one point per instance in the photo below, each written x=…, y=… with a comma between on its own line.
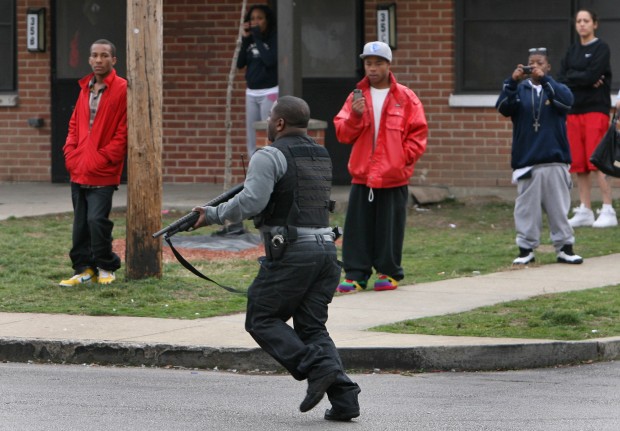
x=261, y=58
x=549, y=144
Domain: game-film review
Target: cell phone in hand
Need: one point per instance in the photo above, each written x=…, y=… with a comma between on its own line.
x=357, y=93
x=528, y=70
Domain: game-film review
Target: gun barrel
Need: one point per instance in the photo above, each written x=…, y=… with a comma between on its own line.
x=189, y=220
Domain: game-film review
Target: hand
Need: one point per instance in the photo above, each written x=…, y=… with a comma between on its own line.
x=246, y=29
x=202, y=219
x=359, y=106
x=537, y=73
x=600, y=82
x=517, y=74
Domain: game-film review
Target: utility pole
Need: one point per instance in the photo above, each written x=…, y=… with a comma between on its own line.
x=143, y=257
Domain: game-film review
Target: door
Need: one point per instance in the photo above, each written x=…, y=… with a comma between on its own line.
x=332, y=39
x=76, y=25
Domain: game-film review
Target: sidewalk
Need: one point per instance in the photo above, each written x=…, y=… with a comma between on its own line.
x=223, y=343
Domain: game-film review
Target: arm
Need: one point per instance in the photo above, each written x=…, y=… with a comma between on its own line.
x=266, y=167
x=242, y=59
x=415, y=141
x=268, y=55
x=507, y=102
x=349, y=123
x=559, y=94
x=595, y=70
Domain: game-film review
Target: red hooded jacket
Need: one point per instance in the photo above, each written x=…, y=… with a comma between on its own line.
x=95, y=157
x=401, y=140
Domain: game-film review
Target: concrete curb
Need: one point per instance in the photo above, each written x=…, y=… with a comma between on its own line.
x=443, y=358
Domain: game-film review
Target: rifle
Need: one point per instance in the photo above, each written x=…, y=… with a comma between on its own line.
x=186, y=222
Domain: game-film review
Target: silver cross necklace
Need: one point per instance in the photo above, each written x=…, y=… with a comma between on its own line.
x=536, y=115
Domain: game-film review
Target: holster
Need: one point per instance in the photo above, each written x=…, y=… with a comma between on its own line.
x=275, y=245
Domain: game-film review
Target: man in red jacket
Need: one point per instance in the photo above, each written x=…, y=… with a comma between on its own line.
x=94, y=152
x=387, y=127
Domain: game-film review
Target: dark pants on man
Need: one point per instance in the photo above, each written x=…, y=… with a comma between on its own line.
x=92, y=229
x=374, y=232
x=300, y=285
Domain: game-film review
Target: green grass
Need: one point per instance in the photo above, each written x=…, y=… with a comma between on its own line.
x=453, y=239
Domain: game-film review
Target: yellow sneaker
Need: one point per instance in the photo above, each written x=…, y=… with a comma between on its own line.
x=106, y=277
x=87, y=276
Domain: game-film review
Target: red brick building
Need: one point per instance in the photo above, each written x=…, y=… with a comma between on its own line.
x=453, y=54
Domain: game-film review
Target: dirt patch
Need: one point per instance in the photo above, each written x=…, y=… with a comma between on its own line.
x=193, y=254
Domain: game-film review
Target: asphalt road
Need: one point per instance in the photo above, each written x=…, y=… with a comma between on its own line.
x=72, y=397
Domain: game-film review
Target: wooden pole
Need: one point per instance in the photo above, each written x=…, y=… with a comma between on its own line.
x=143, y=257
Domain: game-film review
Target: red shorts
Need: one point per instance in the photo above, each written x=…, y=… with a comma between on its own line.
x=585, y=131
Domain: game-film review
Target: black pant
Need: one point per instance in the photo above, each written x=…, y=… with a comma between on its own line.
x=92, y=229
x=300, y=285
x=374, y=232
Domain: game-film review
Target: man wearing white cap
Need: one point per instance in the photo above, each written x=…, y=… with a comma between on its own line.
x=384, y=121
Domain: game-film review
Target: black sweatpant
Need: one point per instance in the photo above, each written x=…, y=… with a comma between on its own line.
x=374, y=232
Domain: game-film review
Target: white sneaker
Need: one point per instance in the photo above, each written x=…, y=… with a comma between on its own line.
x=567, y=255
x=606, y=218
x=582, y=217
x=526, y=255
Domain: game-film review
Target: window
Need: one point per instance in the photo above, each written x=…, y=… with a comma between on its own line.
x=492, y=36
x=8, y=81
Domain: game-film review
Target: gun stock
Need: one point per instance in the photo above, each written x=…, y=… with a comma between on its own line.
x=188, y=220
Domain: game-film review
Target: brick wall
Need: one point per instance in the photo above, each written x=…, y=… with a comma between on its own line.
x=467, y=146
x=25, y=151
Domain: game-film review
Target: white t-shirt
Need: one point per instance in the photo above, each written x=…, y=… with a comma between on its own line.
x=378, y=96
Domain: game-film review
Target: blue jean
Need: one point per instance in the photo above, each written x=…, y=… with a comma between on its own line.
x=300, y=285
x=92, y=229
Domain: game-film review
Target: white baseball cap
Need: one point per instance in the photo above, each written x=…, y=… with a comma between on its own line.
x=378, y=49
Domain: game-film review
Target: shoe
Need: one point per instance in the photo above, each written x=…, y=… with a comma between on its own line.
x=106, y=277
x=342, y=416
x=316, y=391
x=351, y=286
x=606, y=218
x=88, y=276
x=582, y=217
x=385, y=282
x=526, y=255
x=566, y=255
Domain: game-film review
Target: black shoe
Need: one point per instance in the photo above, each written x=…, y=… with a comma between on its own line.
x=341, y=416
x=316, y=391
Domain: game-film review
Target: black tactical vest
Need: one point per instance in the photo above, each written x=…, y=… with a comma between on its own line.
x=301, y=197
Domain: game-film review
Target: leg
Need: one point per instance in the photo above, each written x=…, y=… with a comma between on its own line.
x=584, y=185
x=266, y=103
x=556, y=203
x=80, y=254
x=528, y=211
x=100, y=227
x=605, y=186
x=252, y=114
x=357, y=242
x=389, y=230
x=279, y=293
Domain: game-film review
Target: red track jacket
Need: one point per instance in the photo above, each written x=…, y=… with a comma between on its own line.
x=95, y=157
x=400, y=143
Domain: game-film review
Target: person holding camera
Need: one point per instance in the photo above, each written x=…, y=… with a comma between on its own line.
x=537, y=106
x=259, y=57
x=384, y=122
x=287, y=193
x=586, y=70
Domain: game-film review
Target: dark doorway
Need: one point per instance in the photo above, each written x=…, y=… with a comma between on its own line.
x=76, y=24
x=331, y=38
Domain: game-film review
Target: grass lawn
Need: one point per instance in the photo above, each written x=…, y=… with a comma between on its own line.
x=453, y=239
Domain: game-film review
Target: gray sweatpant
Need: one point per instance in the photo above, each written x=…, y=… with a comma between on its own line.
x=548, y=190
